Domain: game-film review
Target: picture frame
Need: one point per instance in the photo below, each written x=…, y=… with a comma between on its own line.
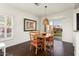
x=29, y=25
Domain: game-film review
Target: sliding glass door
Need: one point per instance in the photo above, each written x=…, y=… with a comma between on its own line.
x=56, y=24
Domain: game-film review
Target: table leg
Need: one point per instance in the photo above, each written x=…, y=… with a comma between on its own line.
x=4, y=51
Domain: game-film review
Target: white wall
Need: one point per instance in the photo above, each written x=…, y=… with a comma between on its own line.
x=67, y=21
x=19, y=35
x=76, y=33
x=76, y=49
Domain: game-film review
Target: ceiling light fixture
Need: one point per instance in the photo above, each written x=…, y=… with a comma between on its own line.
x=37, y=4
x=45, y=21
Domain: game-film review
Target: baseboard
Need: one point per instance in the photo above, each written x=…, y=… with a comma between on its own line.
x=17, y=44
x=67, y=42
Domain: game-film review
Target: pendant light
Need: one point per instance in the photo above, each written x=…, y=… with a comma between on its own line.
x=45, y=21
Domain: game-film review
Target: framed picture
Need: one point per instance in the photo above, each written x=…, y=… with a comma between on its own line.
x=29, y=25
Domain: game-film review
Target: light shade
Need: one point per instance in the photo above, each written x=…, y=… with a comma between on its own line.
x=45, y=21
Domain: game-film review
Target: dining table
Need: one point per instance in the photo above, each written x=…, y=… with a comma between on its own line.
x=43, y=41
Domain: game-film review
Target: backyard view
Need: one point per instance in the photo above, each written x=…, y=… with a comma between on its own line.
x=57, y=31
x=57, y=28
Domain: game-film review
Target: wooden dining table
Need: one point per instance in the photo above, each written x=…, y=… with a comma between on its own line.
x=42, y=41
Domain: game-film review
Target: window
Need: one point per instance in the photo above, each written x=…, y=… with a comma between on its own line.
x=6, y=27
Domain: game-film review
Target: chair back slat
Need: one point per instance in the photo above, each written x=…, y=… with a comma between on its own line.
x=33, y=35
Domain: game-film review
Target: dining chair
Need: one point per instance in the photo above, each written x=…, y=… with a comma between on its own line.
x=34, y=40
x=50, y=39
x=44, y=40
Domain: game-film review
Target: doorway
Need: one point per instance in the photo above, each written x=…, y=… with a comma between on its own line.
x=57, y=28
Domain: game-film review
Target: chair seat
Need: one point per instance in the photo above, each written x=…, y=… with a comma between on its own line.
x=34, y=42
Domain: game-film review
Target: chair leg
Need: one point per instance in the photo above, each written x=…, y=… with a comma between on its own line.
x=30, y=47
x=41, y=47
x=44, y=47
x=36, y=51
x=50, y=45
x=4, y=51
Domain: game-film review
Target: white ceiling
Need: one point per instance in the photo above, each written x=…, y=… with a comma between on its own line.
x=40, y=10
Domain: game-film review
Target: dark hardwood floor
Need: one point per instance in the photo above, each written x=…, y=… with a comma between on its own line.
x=59, y=49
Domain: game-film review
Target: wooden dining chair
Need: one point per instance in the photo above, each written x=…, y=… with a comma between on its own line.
x=50, y=40
x=44, y=40
x=34, y=40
